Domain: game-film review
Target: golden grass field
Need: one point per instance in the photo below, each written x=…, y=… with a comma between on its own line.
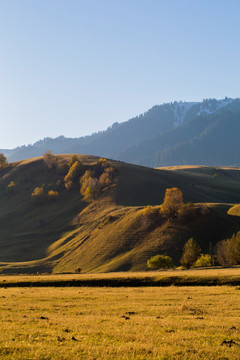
x=120, y=323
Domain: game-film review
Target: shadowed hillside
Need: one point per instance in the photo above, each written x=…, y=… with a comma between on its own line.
x=107, y=234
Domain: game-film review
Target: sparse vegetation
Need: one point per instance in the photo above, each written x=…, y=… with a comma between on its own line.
x=121, y=243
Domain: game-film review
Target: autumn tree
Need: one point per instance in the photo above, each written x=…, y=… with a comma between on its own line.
x=228, y=251
x=191, y=253
x=73, y=174
x=3, y=160
x=49, y=159
x=172, y=203
x=90, y=186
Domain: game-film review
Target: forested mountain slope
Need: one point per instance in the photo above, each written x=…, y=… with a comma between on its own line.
x=163, y=135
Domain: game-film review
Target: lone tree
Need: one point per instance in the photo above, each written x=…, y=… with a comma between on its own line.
x=3, y=160
x=160, y=262
x=172, y=203
x=191, y=253
x=49, y=159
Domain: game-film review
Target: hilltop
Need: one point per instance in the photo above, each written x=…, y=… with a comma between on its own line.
x=108, y=234
x=176, y=133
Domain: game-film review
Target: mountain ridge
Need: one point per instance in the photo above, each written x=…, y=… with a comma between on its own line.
x=147, y=135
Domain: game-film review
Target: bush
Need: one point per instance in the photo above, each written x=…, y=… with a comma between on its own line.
x=53, y=195
x=204, y=260
x=11, y=187
x=38, y=194
x=160, y=262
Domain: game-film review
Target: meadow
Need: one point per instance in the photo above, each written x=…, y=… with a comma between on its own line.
x=120, y=323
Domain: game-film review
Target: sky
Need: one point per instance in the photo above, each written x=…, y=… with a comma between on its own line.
x=74, y=67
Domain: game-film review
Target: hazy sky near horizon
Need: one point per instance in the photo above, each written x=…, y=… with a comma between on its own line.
x=73, y=67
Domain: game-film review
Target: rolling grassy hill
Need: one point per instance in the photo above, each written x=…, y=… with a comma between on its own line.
x=108, y=234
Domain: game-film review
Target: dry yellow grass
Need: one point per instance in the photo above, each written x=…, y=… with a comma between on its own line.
x=110, y=234
x=220, y=273
x=123, y=323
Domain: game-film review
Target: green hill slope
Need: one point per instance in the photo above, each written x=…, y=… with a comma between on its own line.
x=108, y=234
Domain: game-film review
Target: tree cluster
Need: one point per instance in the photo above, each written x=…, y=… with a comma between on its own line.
x=228, y=251
x=93, y=182
x=193, y=257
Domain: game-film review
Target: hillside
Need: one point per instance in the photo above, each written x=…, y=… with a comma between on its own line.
x=175, y=133
x=109, y=234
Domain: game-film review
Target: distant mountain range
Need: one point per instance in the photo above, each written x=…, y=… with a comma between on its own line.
x=177, y=133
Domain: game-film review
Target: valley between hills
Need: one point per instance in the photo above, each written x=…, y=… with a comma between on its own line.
x=109, y=234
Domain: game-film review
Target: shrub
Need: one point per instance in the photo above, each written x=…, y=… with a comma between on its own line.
x=53, y=195
x=204, y=260
x=11, y=187
x=38, y=194
x=191, y=252
x=160, y=262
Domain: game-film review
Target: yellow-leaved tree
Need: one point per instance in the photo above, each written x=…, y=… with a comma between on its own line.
x=172, y=203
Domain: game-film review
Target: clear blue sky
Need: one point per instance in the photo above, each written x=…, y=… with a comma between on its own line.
x=73, y=67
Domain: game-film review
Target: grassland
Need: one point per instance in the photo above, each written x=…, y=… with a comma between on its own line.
x=191, y=277
x=108, y=235
x=120, y=323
